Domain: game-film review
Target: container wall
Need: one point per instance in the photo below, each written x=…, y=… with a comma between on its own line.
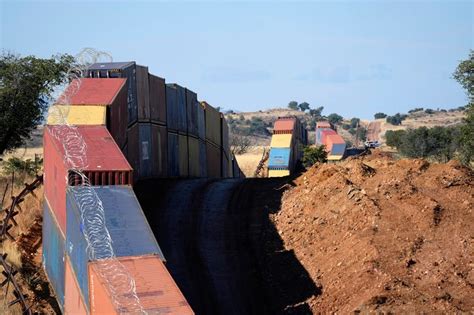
x=225, y=135
x=224, y=165
x=143, y=93
x=173, y=155
x=117, y=118
x=157, y=99
x=74, y=301
x=213, y=125
x=156, y=288
x=183, y=156
x=338, y=149
x=181, y=103
x=202, y=158
x=278, y=173
x=145, y=151
x=172, y=107
x=76, y=115
x=201, y=122
x=55, y=178
x=279, y=158
x=281, y=141
x=91, y=92
x=133, y=149
x=214, y=160
x=159, y=139
x=53, y=253
x=194, y=157
x=192, y=112
x=284, y=125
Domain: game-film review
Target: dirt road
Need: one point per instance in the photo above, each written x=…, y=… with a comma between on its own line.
x=373, y=131
x=221, y=247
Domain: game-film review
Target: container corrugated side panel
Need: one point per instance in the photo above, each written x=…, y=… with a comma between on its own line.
x=338, y=148
x=202, y=158
x=278, y=173
x=183, y=156
x=117, y=117
x=55, y=175
x=284, y=126
x=192, y=112
x=201, y=122
x=91, y=91
x=76, y=115
x=182, y=115
x=194, y=157
x=53, y=253
x=157, y=99
x=143, y=93
x=133, y=150
x=225, y=165
x=279, y=158
x=159, y=139
x=74, y=302
x=213, y=125
x=154, y=285
x=225, y=136
x=281, y=141
x=145, y=150
x=171, y=107
x=173, y=155
x=214, y=160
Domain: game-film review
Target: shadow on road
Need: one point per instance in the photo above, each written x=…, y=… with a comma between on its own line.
x=221, y=247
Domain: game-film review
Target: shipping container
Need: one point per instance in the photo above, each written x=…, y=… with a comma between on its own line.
x=156, y=289
x=140, y=150
x=130, y=233
x=183, y=156
x=159, y=140
x=111, y=93
x=157, y=99
x=213, y=124
x=202, y=158
x=214, y=160
x=324, y=124
x=201, y=122
x=224, y=165
x=335, y=145
x=278, y=173
x=192, y=112
x=120, y=70
x=225, y=135
x=194, y=157
x=281, y=141
x=76, y=115
x=279, y=158
x=143, y=94
x=100, y=159
x=176, y=107
x=53, y=253
x=325, y=133
x=284, y=125
x=173, y=154
x=74, y=301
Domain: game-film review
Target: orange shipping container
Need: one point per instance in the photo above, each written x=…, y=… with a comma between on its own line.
x=155, y=288
x=73, y=301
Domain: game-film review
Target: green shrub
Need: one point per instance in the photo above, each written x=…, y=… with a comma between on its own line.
x=313, y=155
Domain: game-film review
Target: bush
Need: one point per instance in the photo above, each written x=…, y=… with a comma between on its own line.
x=414, y=110
x=393, y=138
x=334, y=118
x=380, y=115
x=396, y=119
x=355, y=122
x=346, y=126
x=313, y=155
x=429, y=111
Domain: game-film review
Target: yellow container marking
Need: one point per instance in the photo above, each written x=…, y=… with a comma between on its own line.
x=281, y=141
x=76, y=115
x=278, y=173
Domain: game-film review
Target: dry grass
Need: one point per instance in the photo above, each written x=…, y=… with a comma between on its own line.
x=13, y=254
x=248, y=162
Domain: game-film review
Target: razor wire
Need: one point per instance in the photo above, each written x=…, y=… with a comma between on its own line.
x=112, y=272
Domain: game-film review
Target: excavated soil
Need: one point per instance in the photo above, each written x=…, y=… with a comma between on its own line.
x=380, y=235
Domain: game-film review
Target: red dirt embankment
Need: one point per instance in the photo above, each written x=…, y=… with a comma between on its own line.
x=385, y=235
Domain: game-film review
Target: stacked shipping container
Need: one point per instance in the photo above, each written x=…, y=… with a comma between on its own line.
x=334, y=144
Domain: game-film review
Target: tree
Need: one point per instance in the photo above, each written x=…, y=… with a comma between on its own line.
x=355, y=122
x=240, y=143
x=467, y=137
x=464, y=74
x=293, y=105
x=394, y=138
x=303, y=106
x=26, y=85
x=380, y=115
x=334, y=118
x=316, y=112
x=313, y=155
x=396, y=119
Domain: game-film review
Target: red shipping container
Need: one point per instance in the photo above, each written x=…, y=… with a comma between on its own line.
x=323, y=124
x=156, y=289
x=103, y=163
x=102, y=92
x=284, y=125
x=73, y=300
x=326, y=133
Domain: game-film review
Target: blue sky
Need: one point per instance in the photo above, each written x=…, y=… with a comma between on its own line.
x=354, y=58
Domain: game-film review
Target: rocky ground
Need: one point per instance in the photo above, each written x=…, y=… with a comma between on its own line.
x=378, y=234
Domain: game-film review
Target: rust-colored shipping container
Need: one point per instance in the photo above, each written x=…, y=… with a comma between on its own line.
x=194, y=157
x=192, y=113
x=74, y=301
x=143, y=94
x=214, y=160
x=284, y=125
x=101, y=161
x=183, y=156
x=156, y=289
x=157, y=99
x=213, y=124
x=324, y=124
x=140, y=150
x=159, y=140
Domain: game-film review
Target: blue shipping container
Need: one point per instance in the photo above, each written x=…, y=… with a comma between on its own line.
x=173, y=155
x=127, y=226
x=338, y=149
x=279, y=158
x=53, y=253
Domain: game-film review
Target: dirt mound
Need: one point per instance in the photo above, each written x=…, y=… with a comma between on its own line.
x=384, y=235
